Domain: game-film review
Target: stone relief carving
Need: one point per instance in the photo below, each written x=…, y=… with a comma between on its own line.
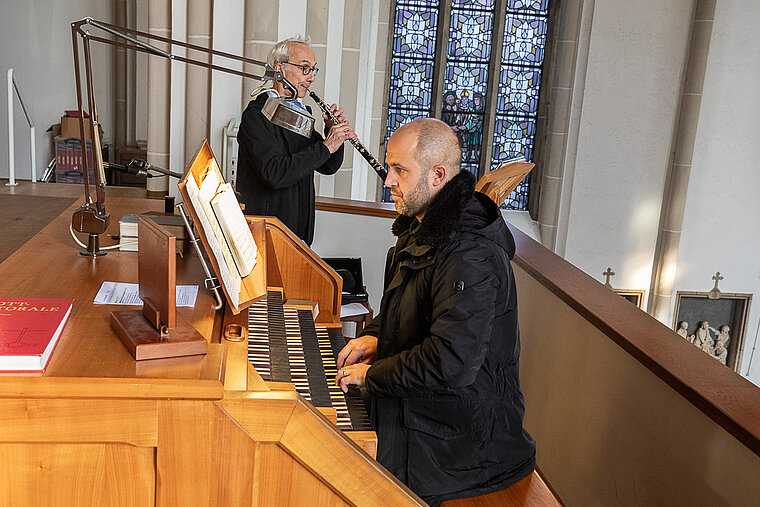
x=703, y=339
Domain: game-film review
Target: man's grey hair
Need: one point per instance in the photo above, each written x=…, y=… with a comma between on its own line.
x=279, y=52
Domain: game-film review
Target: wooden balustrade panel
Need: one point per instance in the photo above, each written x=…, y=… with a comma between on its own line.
x=609, y=430
x=63, y=420
x=281, y=480
x=204, y=457
x=64, y=474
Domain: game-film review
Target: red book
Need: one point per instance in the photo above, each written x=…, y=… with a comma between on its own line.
x=29, y=331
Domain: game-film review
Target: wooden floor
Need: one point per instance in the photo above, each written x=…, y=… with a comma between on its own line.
x=28, y=207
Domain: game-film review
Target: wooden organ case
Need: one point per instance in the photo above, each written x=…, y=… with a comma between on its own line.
x=99, y=428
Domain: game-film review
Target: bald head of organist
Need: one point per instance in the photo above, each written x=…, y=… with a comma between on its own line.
x=440, y=360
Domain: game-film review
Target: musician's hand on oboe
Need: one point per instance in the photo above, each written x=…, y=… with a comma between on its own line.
x=337, y=135
x=338, y=114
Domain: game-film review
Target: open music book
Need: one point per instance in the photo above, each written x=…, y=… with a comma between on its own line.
x=226, y=229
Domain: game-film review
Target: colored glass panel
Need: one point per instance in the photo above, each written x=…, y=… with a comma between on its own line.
x=464, y=80
x=518, y=90
x=418, y=3
x=513, y=137
x=473, y=4
x=473, y=35
x=535, y=6
x=463, y=106
x=411, y=83
x=524, y=40
x=414, y=32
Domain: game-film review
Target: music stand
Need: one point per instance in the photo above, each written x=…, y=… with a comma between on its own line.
x=499, y=183
x=157, y=331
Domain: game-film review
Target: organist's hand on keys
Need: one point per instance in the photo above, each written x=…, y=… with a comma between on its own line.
x=353, y=375
x=354, y=361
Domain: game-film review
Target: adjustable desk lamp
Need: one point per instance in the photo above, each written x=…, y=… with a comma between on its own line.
x=91, y=217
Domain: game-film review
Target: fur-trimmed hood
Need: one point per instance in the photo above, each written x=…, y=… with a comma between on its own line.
x=458, y=207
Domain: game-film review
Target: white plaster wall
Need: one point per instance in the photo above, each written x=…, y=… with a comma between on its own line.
x=720, y=231
x=344, y=235
x=227, y=36
x=635, y=61
x=36, y=43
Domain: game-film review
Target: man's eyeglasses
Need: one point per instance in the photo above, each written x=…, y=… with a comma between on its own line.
x=305, y=69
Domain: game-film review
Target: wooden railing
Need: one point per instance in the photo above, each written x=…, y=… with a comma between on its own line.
x=373, y=209
x=624, y=411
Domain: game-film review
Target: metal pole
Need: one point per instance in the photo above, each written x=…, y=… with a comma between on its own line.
x=34, y=156
x=12, y=83
x=211, y=282
x=11, y=160
x=30, y=123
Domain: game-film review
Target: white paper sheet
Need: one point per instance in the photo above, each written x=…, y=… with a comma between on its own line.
x=352, y=309
x=118, y=293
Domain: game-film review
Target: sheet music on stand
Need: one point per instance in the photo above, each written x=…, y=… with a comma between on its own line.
x=201, y=200
x=223, y=229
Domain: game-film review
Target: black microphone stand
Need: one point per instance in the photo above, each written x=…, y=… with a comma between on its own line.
x=140, y=167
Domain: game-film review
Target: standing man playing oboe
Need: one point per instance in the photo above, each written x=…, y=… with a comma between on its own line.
x=275, y=166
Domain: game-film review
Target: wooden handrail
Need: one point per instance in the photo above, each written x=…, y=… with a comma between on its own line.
x=352, y=207
x=723, y=395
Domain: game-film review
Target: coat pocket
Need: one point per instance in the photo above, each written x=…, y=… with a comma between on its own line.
x=445, y=443
x=443, y=417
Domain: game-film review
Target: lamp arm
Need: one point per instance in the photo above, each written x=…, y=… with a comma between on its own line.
x=92, y=218
x=130, y=35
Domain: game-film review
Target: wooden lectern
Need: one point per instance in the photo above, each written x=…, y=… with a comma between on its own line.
x=157, y=331
x=499, y=183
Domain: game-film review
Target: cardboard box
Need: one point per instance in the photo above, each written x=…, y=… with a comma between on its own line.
x=70, y=128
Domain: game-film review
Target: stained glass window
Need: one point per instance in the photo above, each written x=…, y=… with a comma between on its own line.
x=414, y=46
x=519, y=82
x=465, y=76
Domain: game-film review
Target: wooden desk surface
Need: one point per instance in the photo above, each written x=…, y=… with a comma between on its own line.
x=50, y=266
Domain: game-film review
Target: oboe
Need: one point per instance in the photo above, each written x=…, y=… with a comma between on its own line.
x=364, y=152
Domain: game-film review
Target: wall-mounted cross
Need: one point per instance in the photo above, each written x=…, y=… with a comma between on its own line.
x=715, y=292
x=609, y=273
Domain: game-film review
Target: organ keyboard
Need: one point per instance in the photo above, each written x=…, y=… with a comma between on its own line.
x=284, y=345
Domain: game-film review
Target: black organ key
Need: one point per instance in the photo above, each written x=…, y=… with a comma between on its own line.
x=356, y=408
x=278, y=345
x=320, y=395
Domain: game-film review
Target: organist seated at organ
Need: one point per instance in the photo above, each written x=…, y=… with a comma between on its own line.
x=440, y=360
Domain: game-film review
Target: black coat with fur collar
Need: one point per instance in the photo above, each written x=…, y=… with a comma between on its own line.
x=446, y=398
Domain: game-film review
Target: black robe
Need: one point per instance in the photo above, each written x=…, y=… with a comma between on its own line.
x=276, y=170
